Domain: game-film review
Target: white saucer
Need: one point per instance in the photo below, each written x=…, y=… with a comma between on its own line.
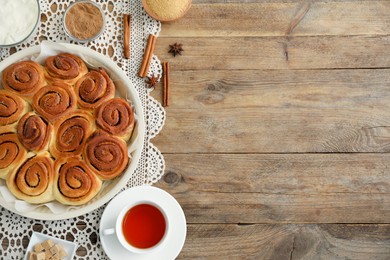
x=176, y=236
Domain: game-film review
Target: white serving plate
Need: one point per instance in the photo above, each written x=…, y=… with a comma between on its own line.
x=69, y=247
x=126, y=89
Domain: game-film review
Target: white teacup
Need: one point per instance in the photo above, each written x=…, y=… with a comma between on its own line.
x=118, y=230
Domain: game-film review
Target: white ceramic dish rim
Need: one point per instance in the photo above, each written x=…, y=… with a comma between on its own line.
x=136, y=155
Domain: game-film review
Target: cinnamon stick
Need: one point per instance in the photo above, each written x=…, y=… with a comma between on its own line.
x=126, y=35
x=148, y=54
x=166, y=91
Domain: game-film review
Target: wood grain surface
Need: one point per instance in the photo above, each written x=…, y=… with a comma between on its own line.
x=287, y=241
x=301, y=52
x=260, y=111
x=277, y=137
x=280, y=188
x=339, y=18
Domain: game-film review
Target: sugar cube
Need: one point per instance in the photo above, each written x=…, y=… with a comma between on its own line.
x=55, y=249
x=47, y=244
x=48, y=254
x=37, y=256
x=62, y=253
x=38, y=248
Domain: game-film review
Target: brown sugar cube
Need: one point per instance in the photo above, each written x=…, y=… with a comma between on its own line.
x=38, y=248
x=55, y=249
x=55, y=257
x=47, y=244
x=36, y=256
x=40, y=256
x=29, y=256
x=62, y=253
x=48, y=254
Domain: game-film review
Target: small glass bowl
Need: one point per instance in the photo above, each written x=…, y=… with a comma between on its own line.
x=33, y=31
x=74, y=37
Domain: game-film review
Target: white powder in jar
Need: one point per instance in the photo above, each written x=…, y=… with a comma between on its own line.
x=17, y=20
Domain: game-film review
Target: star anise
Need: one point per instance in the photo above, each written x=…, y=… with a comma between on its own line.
x=176, y=48
x=152, y=81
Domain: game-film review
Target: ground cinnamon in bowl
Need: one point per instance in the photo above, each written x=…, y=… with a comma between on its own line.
x=84, y=21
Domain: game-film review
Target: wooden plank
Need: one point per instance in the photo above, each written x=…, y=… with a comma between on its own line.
x=287, y=242
x=274, y=19
x=277, y=112
x=298, y=174
x=194, y=2
x=292, y=188
x=239, y=53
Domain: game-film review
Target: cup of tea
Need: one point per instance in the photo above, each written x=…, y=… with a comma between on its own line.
x=141, y=227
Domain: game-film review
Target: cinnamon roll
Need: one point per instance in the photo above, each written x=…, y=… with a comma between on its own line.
x=65, y=66
x=34, y=132
x=106, y=155
x=24, y=78
x=12, y=107
x=12, y=153
x=116, y=117
x=75, y=183
x=54, y=101
x=33, y=180
x=71, y=133
x=93, y=89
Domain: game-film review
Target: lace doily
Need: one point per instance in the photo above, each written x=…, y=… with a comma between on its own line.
x=84, y=229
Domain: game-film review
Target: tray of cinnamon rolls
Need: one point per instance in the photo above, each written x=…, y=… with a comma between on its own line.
x=71, y=131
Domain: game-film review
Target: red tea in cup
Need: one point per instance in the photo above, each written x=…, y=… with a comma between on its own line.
x=143, y=226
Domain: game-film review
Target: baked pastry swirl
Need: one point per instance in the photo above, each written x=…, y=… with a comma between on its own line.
x=70, y=134
x=24, y=78
x=106, y=155
x=65, y=66
x=116, y=117
x=33, y=180
x=62, y=131
x=54, y=101
x=75, y=183
x=12, y=107
x=93, y=89
x=12, y=153
x=34, y=132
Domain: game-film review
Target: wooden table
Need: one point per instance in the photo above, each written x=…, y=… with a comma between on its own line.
x=277, y=138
